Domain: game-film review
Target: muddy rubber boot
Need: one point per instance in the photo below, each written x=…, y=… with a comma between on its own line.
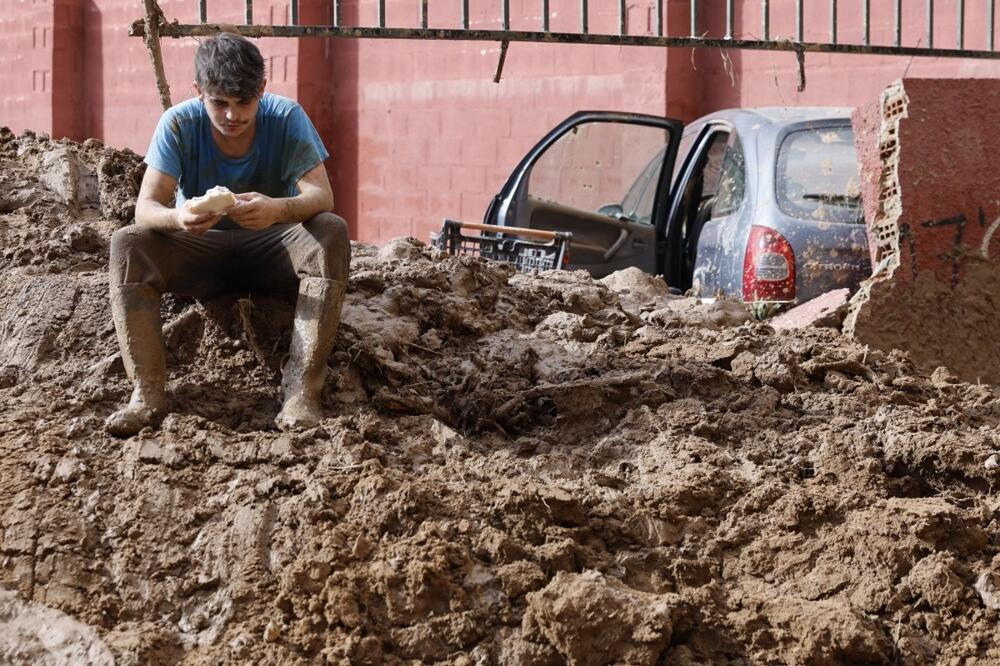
x=136, y=311
x=317, y=314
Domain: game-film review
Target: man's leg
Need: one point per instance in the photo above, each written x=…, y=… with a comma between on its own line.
x=144, y=264
x=317, y=255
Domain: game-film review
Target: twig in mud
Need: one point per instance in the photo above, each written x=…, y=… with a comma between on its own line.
x=243, y=307
x=422, y=348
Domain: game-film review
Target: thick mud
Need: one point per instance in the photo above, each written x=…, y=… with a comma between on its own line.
x=515, y=469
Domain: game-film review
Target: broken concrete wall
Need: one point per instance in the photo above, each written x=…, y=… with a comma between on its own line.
x=931, y=189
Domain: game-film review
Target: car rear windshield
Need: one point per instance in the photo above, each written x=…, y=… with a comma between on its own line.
x=818, y=176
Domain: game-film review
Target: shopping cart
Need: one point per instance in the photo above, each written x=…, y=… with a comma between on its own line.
x=527, y=249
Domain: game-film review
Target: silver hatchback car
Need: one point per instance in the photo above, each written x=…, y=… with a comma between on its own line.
x=760, y=204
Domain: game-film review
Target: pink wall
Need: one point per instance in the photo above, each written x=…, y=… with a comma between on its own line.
x=417, y=130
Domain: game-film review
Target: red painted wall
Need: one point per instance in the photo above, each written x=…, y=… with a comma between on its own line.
x=417, y=130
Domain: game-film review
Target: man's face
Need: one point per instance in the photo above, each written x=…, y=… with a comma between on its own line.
x=231, y=117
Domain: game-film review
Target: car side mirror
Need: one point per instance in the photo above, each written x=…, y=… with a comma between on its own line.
x=611, y=210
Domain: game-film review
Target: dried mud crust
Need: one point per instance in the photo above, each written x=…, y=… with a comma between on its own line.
x=514, y=469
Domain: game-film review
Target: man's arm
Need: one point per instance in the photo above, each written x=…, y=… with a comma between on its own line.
x=152, y=209
x=256, y=211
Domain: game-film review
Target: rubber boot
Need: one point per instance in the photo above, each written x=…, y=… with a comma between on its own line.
x=317, y=314
x=136, y=311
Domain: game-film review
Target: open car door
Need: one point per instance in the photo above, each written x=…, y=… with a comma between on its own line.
x=604, y=177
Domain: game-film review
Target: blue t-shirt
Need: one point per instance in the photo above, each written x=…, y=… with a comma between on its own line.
x=285, y=147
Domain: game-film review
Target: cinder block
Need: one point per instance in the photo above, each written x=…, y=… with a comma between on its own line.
x=931, y=193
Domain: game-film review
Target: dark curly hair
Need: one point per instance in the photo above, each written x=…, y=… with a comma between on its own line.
x=230, y=66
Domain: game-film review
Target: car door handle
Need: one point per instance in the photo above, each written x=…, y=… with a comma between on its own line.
x=613, y=250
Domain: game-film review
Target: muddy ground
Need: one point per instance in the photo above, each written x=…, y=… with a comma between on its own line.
x=514, y=470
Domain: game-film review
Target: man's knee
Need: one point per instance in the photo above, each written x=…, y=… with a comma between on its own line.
x=130, y=249
x=330, y=232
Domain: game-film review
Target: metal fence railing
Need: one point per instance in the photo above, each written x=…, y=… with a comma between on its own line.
x=154, y=26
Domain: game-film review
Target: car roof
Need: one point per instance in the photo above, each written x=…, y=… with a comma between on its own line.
x=755, y=118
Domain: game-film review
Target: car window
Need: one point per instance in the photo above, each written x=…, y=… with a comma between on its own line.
x=817, y=176
x=732, y=179
x=593, y=166
x=687, y=141
x=638, y=203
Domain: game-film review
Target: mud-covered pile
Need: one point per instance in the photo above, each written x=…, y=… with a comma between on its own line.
x=515, y=469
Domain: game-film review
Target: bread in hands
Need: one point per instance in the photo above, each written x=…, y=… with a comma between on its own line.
x=215, y=200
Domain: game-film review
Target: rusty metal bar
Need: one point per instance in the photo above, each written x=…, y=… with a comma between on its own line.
x=990, y=21
x=465, y=14
x=505, y=22
x=248, y=13
x=381, y=13
x=730, y=19
x=202, y=11
x=137, y=29
x=867, y=27
x=295, y=12
x=150, y=28
x=584, y=18
x=799, y=29
x=659, y=18
x=833, y=21
x=622, y=12
x=765, y=18
x=694, y=18
x=545, y=15
x=899, y=23
x=930, y=24
x=961, y=24
x=423, y=14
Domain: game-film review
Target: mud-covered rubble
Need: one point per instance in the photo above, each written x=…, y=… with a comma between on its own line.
x=532, y=469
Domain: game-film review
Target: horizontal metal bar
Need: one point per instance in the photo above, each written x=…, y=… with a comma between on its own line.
x=137, y=29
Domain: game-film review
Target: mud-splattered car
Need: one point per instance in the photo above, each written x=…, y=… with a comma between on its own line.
x=761, y=204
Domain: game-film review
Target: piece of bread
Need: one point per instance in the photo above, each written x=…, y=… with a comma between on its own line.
x=216, y=200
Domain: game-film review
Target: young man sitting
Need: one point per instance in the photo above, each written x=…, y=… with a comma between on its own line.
x=277, y=235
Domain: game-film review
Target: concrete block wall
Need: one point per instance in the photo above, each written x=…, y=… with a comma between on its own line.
x=932, y=200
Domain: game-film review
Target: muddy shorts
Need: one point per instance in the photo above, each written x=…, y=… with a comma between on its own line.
x=273, y=259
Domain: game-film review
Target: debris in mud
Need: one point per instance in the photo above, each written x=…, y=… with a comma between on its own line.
x=533, y=469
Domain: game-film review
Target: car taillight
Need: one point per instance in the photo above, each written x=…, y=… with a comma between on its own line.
x=769, y=267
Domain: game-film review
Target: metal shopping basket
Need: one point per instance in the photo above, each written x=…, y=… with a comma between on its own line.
x=526, y=249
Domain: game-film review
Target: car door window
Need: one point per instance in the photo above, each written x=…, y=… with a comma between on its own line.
x=593, y=166
x=732, y=180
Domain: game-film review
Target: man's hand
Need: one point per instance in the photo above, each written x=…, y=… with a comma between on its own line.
x=255, y=211
x=195, y=223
